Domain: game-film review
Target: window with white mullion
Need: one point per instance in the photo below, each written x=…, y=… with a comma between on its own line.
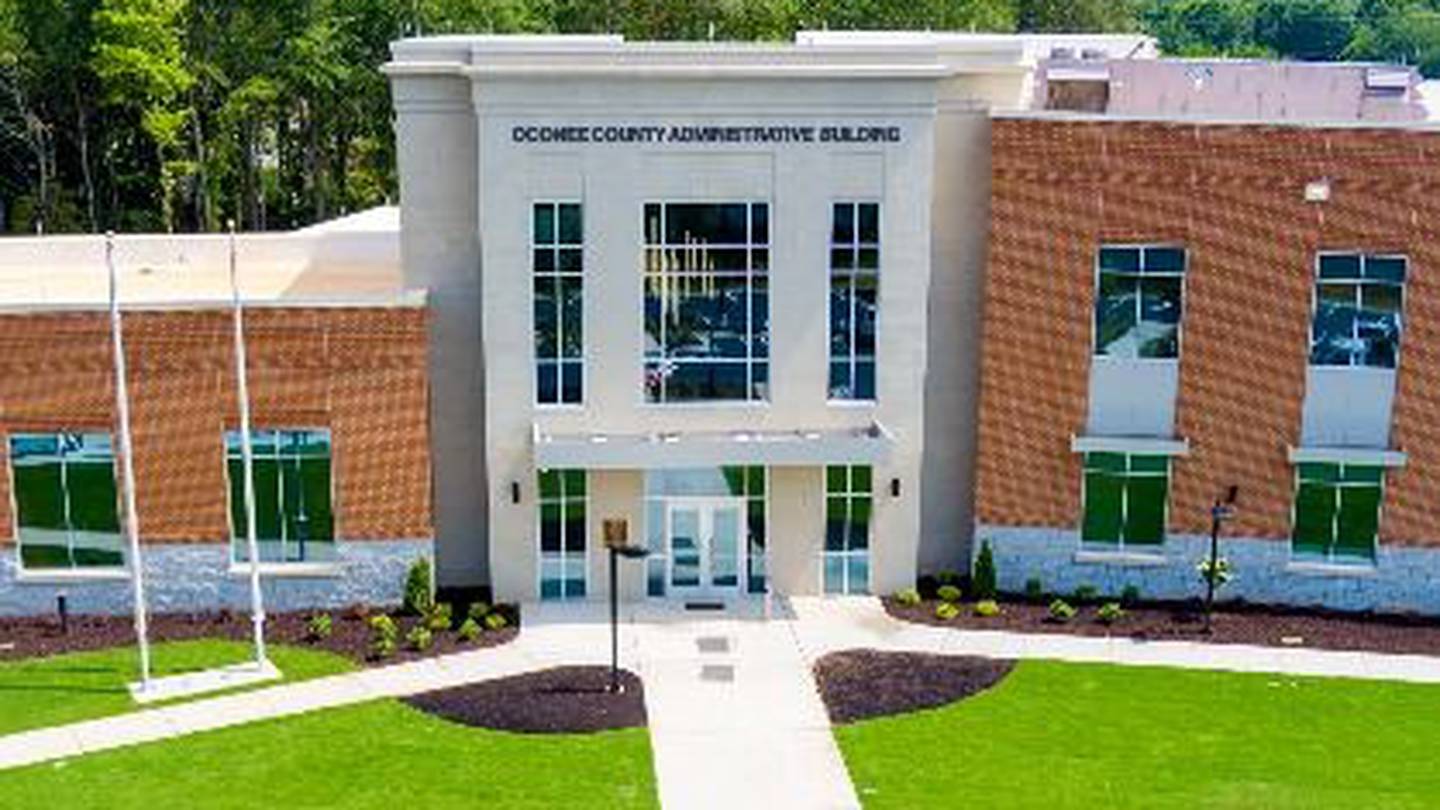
x=1359, y=301
x=853, y=299
x=1139, y=292
x=557, y=269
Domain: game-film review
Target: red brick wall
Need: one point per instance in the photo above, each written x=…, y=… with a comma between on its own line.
x=359, y=372
x=1233, y=195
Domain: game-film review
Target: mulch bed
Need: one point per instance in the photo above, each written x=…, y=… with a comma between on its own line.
x=1233, y=624
x=33, y=636
x=859, y=684
x=562, y=700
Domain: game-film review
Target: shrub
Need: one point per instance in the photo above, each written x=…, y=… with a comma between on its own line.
x=982, y=576
x=1110, y=612
x=469, y=630
x=478, y=611
x=926, y=585
x=418, y=594
x=987, y=608
x=383, y=635
x=947, y=577
x=1062, y=611
x=1129, y=596
x=946, y=611
x=420, y=638
x=1085, y=594
x=319, y=627
x=1034, y=590
x=909, y=597
x=949, y=593
x=495, y=621
x=437, y=619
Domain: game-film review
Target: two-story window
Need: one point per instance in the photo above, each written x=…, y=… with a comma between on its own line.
x=66, y=512
x=849, y=503
x=293, y=519
x=557, y=263
x=1125, y=500
x=1358, y=299
x=706, y=319
x=1337, y=511
x=854, y=298
x=1138, y=297
x=562, y=529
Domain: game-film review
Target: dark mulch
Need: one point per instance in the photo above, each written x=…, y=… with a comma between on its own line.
x=563, y=700
x=29, y=637
x=859, y=684
x=1233, y=624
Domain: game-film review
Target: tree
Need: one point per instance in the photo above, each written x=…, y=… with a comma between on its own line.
x=1066, y=16
x=1311, y=30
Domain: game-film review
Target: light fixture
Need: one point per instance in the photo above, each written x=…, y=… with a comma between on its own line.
x=515, y=492
x=894, y=487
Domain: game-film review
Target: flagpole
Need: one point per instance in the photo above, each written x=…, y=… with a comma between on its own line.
x=252, y=542
x=127, y=466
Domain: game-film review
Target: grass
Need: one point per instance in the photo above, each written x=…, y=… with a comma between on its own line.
x=1058, y=735
x=381, y=755
x=40, y=692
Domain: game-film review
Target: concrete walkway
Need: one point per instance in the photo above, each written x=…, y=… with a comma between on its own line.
x=735, y=719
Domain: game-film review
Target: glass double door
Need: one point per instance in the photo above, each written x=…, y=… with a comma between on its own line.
x=706, y=538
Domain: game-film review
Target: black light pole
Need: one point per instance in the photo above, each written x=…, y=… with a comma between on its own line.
x=1219, y=513
x=617, y=541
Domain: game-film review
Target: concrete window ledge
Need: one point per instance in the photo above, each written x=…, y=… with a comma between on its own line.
x=71, y=577
x=290, y=570
x=1326, y=569
x=1124, y=558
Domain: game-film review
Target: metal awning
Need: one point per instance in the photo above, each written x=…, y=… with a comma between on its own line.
x=675, y=449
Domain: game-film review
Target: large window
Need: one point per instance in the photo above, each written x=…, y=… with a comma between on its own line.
x=557, y=259
x=1138, y=301
x=707, y=322
x=1357, y=310
x=1337, y=511
x=848, y=505
x=563, y=528
x=66, y=509
x=854, y=298
x=1125, y=497
x=293, y=521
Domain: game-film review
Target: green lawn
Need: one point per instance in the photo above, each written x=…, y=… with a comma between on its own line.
x=382, y=755
x=40, y=692
x=1059, y=735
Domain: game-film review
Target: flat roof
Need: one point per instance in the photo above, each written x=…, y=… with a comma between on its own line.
x=349, y=261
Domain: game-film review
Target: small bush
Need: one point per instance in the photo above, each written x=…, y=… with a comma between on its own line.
x=1110, y=612
x=987, y=608
x=383, y=636
x=319, y=627
x=909, y=597
x=437, y=619
x=982, y=576
x=949, y=593
x=478, y=611
x=1034, y=590
x=947, y=577
x=469, y=631
x=418, y=594
x=946, y=611
x=495, y=621
x=420, y=638
x=1129, y=596
x=1086, y=594
x=1062, y=611
x=926, y=585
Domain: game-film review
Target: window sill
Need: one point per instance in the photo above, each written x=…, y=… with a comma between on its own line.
x=296, y=570
x=1355, y=570
x=71, y=577
x=1138, y=559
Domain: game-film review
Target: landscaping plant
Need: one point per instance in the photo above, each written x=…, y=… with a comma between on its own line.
x=478, y=611
x=469, y=631
x=982, y=575
x=495, y=621
x=987, y=608
x=383, y=636
x=437, y=619
x=909, y=597
x=319, y=627
x=1062, y=611
x=949, y=593
x=1220, y=575
x=1110, y=613
x=1085, y=594
x=420, y=638
x=947, y=611
x=1034, y=590
x=1130, y=596
x=419, y=595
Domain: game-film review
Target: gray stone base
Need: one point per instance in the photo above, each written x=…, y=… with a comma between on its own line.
x=186, y=578
x=1403, y=580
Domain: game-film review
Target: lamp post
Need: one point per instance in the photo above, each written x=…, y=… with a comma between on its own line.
x=1220, y=512
x=617, y=542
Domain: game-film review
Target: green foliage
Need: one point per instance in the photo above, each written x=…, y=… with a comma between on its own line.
x=478, y=611
x=1220, y=573
x=982, y=576
x=1130, y=596
x=1086, y=594
x=438, y=617
x=1034, y=589
x=1110, y=612
x=949, y=593
x=947, y=577
x=496, y=621
x=419, y=596
x=947, y=611
x=384, y=636
x=419, y=638
x=319, y=627
x=1305, y=29
x=469, y=630
x=987, y=608
x=909, y=597
x=1062, y=611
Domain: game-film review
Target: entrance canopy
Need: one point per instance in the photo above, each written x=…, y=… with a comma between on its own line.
x=789, y=448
